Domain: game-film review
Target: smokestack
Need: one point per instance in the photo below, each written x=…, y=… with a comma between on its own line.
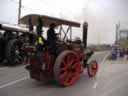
x=85, y=30
x=0, y=26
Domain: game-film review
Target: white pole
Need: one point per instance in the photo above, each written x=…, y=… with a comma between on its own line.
x=19, y=12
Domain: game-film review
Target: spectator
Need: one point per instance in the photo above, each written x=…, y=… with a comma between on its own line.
x=114, y=54
x=122, y=52
x=127, y=51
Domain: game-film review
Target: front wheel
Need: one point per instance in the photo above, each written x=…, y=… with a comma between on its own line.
x=92, y=68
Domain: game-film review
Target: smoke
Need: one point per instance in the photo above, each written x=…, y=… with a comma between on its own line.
x=102, y=16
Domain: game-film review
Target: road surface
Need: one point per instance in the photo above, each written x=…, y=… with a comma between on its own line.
x=111, y=80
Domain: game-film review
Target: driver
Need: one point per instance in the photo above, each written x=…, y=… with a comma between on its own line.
x=52, y=38
x=41, y=42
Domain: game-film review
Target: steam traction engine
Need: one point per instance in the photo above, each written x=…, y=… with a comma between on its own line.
x=12, y=39
x=69, y=59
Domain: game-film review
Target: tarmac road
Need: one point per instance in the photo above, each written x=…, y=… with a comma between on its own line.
x=111, y=80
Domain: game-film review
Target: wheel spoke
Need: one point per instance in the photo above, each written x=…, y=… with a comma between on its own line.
x=71, y=77
x=63, y=75
x=19, y=57
x=68, y=77
x=64, y=65
x=64, y=68
x=17, y=60
x=67, y=59
x=64, y=62
x=74, y=65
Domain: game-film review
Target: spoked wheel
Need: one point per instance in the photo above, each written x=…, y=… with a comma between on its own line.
x=92, y=68
x=14, y=53
x=66, y=68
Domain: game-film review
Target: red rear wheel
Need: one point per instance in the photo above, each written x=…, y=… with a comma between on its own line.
x=92, y=68
x=67, y=68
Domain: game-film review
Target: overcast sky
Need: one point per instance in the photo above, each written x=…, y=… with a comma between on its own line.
x=68, y=8
x=102, y=15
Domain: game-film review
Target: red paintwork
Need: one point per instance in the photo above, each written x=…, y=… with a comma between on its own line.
x=67, y=77
x=69, y=69
x=37, y=65
x=93, y=67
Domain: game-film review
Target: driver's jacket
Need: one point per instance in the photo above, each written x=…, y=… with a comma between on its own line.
x=41, y=42
x=51, y=35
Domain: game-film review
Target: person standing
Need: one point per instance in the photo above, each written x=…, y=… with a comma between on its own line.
x=52, y=38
